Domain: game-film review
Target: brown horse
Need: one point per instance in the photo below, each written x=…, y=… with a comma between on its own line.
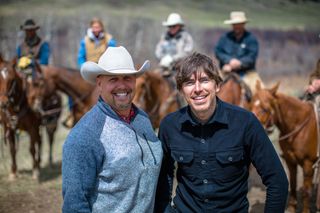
x=296, y=122
x=70, y=82
x=46, y=102
x=16, y=114
x=155, y=96
x=234, y=91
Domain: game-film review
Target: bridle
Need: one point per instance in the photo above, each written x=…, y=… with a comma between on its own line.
x=12, y=109
x=270, y=123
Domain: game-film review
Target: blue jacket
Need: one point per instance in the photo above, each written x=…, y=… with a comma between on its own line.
x=109, y=165
x=43, y=56
x=214, y=160
x=246, y=50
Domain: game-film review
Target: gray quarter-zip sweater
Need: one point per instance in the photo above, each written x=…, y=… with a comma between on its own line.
x=109, y=165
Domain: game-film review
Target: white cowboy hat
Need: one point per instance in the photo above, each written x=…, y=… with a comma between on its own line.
x=173, y=19
x=236, y=17
x=114, y=61
x=29, y=24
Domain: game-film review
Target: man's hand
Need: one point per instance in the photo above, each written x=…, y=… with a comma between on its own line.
x=314, y=86
x=235, y=64
x=226, y=68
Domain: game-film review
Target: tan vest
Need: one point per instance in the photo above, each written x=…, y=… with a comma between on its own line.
x=27, y=50
x=94, y=52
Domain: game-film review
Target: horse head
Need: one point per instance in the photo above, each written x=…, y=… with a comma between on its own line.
x=265, y=106
x=155, y=96
x=36, y=91
x=10, y=84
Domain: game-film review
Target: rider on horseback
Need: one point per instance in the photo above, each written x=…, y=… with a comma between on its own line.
x=237, y=50
x=174, y=44
x=33, y=50
x=312, y=93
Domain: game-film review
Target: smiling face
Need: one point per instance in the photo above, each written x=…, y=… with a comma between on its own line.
x=200, y=93
x=174, y=29
x=118, y=91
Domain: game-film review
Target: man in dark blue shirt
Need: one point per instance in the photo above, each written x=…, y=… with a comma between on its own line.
x=237, y=50
x=213, y=144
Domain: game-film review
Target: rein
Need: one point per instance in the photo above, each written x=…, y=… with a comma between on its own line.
x=296, y=130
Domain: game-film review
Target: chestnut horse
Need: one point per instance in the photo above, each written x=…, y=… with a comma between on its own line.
x=296, y=122
x=70, y=82
x=155, y=96
x=16, y=114
x=44, y=100
x=234, y=91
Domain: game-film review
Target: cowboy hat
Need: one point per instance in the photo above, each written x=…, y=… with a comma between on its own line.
x=236, y=17
x=173, y=19
x=114, y=61
x=29, y=24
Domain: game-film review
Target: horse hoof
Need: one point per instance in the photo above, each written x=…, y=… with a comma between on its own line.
x=12, y=176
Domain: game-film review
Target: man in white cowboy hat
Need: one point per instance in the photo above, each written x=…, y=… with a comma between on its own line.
x=237, y=50
x=175, y=43
x=32, y=46
x=112, y=157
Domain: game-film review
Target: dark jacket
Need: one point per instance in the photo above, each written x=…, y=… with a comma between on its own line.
x=246, y=50
x=213, y=162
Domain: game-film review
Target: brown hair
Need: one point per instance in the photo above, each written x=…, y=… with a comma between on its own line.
x=97, y=20
x=192, y=64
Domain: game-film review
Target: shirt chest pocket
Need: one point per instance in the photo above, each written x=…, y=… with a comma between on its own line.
x=229, y=164
x=185, y=161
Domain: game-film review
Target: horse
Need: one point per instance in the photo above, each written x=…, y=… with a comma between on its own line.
x=46, y=102
x=17, y=114
x=234, y=91
x=70, y=82
x=156, y=96
x=296, y=121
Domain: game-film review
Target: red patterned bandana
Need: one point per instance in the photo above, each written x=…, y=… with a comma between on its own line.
x=128, y=119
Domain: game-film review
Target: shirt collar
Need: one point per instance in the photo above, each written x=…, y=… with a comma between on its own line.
x=219, y=115
x=110, y=111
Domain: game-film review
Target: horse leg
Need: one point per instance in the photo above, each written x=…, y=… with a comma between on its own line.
x=307, y=185
x=51, y=128
x=35, y=150
x=293, y=186
x=13, y=152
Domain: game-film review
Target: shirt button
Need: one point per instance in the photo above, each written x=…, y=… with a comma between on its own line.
x=180, y=158
x=203, y=141
x=230, y=158
x=205, y=181
x=203, y=162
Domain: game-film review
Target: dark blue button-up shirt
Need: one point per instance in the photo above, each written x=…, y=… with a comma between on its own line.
x=246, y=50
x=213, y=162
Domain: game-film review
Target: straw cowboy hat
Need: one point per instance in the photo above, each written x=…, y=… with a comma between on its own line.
x=236, y=17
x=29, y=25
x=173, y=19
x=114, y=61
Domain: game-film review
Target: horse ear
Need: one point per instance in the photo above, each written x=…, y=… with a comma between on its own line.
x=275, y=88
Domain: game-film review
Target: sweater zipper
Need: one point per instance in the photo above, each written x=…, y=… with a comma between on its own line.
x=154, y=158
